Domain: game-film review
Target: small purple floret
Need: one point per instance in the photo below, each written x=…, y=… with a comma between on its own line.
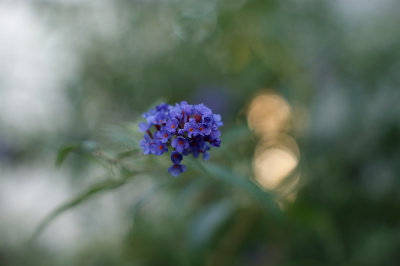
x=191, y=128
x=176, y=157
x=177, y=169
x=145, y=144
x=172, y=125
x=180, y=144
x=143, y=126
x=163, y=136
x=160, y=148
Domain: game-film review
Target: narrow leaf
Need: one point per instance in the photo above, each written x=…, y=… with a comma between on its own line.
x=99, y=187
x=243, y=183
x=65, y=151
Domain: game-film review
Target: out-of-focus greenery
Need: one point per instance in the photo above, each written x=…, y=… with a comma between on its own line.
x=336, y=69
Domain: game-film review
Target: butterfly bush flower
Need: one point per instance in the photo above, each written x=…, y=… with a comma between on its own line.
x=184, y=129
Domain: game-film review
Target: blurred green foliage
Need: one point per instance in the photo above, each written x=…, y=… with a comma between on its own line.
x=329, y=59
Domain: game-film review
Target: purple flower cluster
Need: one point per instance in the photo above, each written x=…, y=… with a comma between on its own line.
x=187, y=129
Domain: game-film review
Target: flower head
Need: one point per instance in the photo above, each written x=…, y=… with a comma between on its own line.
x=187, y=129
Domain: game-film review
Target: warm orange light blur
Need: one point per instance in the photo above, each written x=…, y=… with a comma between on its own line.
x=268, y=113
x=272, y=165
x=277, y=154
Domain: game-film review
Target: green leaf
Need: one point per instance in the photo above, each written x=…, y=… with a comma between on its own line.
x=206, y=222
x=123, y=136
x=90, y=192
x=235, y=134
x=149, y=194
x=65, y=151
x=85, y=147
x=126, y=154
x=243, y=183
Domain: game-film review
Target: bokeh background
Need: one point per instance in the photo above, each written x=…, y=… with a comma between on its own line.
x=309, y=93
